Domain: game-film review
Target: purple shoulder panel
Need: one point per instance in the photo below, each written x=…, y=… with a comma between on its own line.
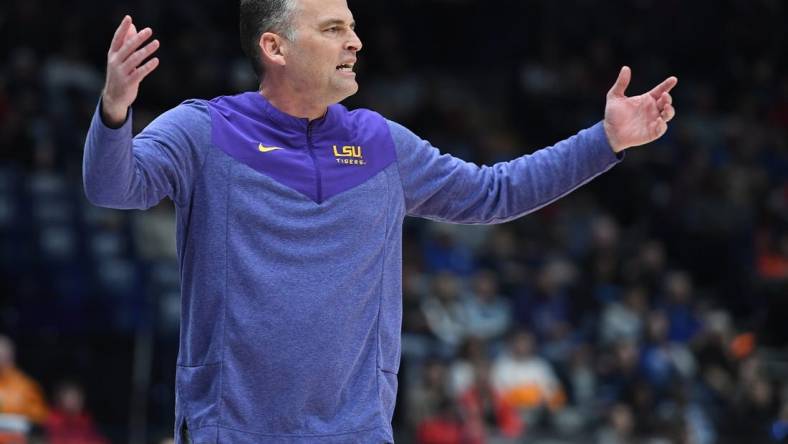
x=242, y=131
x=319, y=159
x=350, y=157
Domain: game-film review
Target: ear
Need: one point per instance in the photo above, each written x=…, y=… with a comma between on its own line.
x=271, y=47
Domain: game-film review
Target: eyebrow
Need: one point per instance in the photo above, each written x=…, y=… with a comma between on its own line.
x=337, y=22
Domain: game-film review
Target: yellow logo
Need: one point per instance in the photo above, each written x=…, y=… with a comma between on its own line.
x=266, y=149
x=349, y=155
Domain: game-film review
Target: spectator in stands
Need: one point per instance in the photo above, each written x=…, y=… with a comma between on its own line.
x=648, y=268
x=618, y=370
x=524, y=379
x=488, y=314
x=444, y=312
x=682, y=319
x=694, y=416
x=501, y=252
x=485, y=412
x=69, y=422
x=445, y=426
x=462, y=372
x=426, y=396
x=19, y=393
x=754, y=405
x=443, y=252
x=716, y=363
x=619, y=428
x=664, y=362
x=623, y=320
x=773, y=256
x=546, y=308
x=582, y=382
x=417, y=339
x=603, y=261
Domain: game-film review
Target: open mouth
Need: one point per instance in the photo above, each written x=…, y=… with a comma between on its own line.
x=346, y=67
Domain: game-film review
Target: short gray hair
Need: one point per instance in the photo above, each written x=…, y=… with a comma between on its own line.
x=260, y=16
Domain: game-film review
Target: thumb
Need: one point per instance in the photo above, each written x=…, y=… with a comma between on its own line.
x=621, y=84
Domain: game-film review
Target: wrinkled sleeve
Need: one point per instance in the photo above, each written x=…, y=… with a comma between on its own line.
x=125, y=172
x=441, y=187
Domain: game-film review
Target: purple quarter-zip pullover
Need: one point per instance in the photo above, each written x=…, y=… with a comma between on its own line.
x=289, y=243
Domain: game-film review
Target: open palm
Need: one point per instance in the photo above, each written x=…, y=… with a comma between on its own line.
x=637, y=120
x=126, y=67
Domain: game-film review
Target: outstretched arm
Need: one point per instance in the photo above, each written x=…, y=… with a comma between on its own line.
x=121, y=172
x=442, y=187
x=446, y=188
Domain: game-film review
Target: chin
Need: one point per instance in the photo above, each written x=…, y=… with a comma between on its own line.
x=346, y=93
x=352, y=91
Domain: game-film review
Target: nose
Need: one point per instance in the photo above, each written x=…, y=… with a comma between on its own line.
x=353, y=43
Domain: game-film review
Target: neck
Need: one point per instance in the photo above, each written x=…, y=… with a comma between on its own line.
x=291, y=100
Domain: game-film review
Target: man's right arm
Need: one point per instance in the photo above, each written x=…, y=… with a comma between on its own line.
x=122, y=172
x=125, y=70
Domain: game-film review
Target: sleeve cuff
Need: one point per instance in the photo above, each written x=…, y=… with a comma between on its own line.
x=109, y=130
x=599, y=135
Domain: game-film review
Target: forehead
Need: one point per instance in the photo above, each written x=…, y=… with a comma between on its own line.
x=316, y=11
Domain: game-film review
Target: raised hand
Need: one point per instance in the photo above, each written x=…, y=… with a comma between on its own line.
x=124, y=70
x=637, y=120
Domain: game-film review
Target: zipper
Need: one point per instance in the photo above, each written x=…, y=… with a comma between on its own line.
x=314, y=160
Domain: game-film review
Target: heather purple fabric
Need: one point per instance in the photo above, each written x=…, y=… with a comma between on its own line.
x=311, y=159
x=291, y=264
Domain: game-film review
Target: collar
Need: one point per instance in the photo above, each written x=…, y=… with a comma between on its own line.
x=269, y=111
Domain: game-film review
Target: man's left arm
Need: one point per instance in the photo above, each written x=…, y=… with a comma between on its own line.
x=441, y=187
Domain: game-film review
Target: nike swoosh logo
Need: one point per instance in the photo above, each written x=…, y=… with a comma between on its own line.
x=266, y=149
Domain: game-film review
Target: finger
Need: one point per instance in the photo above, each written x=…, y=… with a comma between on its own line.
x=663, y=87
x=668, y=113
x=664, y=100
x=620, y=87
x=135, y=59
x=118, y=38
x=143, y=71
x=132, y=31
x=658, y=128
x=133, y=43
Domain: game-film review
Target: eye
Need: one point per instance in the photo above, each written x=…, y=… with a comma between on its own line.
x=333, y=29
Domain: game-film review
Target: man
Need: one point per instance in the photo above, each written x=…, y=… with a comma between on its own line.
x=289, y=213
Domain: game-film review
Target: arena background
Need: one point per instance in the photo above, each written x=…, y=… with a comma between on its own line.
x=657, y=295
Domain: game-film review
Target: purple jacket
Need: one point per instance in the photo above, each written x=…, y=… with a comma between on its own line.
x=289, y=242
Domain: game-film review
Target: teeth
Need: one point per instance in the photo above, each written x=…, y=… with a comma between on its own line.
x=345, y=67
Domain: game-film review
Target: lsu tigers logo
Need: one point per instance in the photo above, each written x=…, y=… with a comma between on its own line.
x=349, y=155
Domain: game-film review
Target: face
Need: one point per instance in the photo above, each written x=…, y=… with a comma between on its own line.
x=523, y=345
x=320, y=62
x=71, y=399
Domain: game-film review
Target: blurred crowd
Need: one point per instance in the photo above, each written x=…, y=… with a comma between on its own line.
x=646, y=307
